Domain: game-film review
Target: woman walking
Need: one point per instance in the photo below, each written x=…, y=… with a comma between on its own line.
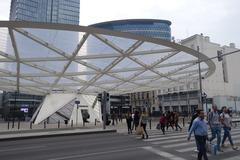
x=226, y=122
x=129, y=122
x=136, y=119
x=163, y=121
x=144, y=119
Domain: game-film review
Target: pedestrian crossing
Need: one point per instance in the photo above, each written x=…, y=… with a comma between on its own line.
x=176, y=142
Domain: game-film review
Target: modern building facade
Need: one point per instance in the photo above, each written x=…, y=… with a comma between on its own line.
x=145, y=27
x=47, y=11
x=222, y=88
x=50, y=11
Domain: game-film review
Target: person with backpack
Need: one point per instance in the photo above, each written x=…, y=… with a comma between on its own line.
x=200, y=129
x=226, y=122
x=214, y=122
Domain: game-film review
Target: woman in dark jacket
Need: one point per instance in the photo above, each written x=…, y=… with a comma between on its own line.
x=136, y=119
x=129, y=122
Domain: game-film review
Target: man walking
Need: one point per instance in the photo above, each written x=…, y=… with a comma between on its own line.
x=214, y=122
x=195, y=115
x=199, y=127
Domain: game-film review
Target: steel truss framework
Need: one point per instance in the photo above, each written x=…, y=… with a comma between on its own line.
x=132, y=63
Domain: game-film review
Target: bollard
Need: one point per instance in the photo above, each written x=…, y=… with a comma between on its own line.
x=18, y=124
x=58, y=124
x=8, y=125
x=183, y=121
x=13, y=123
x=44, y=124
x=83, y=123
x=95, y=121
x=150, y=123
x=30, y=125
x=71, y=123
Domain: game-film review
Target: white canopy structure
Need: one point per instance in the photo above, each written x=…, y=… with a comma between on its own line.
x=119, y=63
x=46, y=59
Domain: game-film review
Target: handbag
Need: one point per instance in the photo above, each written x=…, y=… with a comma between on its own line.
x=158, y=126
x=139, y=130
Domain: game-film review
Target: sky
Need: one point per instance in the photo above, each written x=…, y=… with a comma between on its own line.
x=218, y=19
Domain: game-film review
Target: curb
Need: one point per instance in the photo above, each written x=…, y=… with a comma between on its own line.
x=56, y=135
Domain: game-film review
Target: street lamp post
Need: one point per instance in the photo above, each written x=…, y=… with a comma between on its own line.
x=200, y=78
x=77, y=103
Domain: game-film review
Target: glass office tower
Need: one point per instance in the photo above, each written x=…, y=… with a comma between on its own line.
x=51, y=11
x=47, y=11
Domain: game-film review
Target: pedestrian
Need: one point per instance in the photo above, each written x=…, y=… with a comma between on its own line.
x=195, y=115
x=226, y=122
x=113, y=117
x=136, y=119
x=169, y=117
x=176, y=119
x=120, y=117
x=144, y=120
x=162, y=122
x=214, y=122
x=129, y=122
x=200, y=129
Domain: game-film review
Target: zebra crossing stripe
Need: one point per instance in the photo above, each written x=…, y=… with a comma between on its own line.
x=186, y=149
x=187, y=143
x=162, y=153
x=192, y=142
x=170, y=141
x=233, y=158
x=179, y=144
x=167, y=134
x=176, y=136
x=165, y=138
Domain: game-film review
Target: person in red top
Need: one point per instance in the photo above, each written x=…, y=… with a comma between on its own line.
x=163, y=121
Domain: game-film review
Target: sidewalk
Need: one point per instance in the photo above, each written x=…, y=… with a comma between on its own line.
x=51, y=130
x=38, y=131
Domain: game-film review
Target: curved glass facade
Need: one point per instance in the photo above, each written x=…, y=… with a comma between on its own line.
x=145, y=27
x=50, y=11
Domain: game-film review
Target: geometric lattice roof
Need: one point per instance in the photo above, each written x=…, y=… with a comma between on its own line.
x=40, y=58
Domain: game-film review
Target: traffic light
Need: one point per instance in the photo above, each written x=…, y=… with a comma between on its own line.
x=99, y=97
x=219, y=56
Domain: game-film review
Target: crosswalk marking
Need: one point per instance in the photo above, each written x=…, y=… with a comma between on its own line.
x=186, y=149
x=176, y=143
x=233, y=158
x=162, y=153
x=192, y=142
x=165, y=138
x=171, y=141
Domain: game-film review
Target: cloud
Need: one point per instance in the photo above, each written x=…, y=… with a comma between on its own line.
x=217, y=18
x=5, y=8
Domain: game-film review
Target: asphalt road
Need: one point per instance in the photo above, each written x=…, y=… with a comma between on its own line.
x=107, y=146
